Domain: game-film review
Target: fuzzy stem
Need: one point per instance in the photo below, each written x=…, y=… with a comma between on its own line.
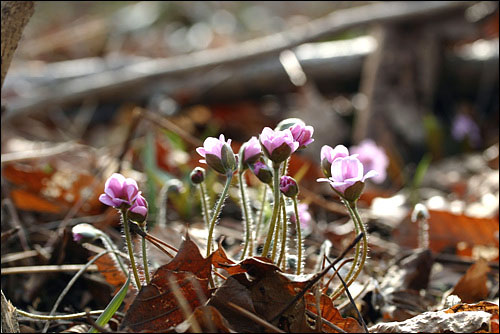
x=272, y=224
x=348, y=277
x=299, y=235
x=217, y=212
x=144, y=256
x=283, y=237
x=365, y=241
x=261, y=212
x=129, y=247
x=204, y=204
x=247, y=216
x=276, y=239
x=358, y=263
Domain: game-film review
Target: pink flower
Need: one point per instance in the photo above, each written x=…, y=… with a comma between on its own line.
x=252, y=150
x=119, y=191
x=345, y=172
x=262, y=171
x=278, y=145
x=288, y=186
x=328, y=155
x=213, y=146
x=304, y=216
x=218, y=154
x=302, y=134
x=372, y=157
x=139, y=210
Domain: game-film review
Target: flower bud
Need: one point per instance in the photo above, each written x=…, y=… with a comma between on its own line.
x=139, y=210
x=288, y=186
x=262, y=171
x=277, y=145
x=84, y=233
x=218, y=154
x=198, y=175
x=250, y=152
x=420, y=212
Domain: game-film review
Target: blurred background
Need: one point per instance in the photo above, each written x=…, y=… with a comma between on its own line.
x=131, y=86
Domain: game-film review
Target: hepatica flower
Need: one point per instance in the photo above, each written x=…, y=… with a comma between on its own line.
x=328, y=155
x=139, y=210
x=251, y=151
x=288, y=186
x=278, y=145
x=372, y=157
x=302, y=134
x=119, y=191
x=347, y=172
x=218, y=154
x=464, y=127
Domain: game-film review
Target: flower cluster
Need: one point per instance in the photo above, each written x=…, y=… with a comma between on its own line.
x=123, y=193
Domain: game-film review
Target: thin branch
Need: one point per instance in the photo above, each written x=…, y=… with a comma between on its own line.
x=255, y=318
x=318, y=276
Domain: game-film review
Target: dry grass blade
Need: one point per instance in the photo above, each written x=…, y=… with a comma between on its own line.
x=255, y=318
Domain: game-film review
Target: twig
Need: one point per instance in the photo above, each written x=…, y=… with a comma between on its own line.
x=44, y=317
x=325, y=289
x=318, y=276
x=326, y=322
x=46, y=269
x=70, y=284
x=353, y=303
x=255, y=318
x=140, y=78
x=134, y=122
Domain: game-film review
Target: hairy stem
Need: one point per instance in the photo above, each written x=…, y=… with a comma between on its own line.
x=218, y=208
x=145, y=256
x=261, y=212
x=204, y=204
x=299, y=235
x=128, y=239
x=282, y=257
x=272, y=224
x=247, y=216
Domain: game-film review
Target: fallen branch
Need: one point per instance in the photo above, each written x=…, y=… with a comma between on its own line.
x=143, y=78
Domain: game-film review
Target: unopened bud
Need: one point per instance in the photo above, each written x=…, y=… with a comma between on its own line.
x=263, y=172
x=288, y=186
x=198, y=175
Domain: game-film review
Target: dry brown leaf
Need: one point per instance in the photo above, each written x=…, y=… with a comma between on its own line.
x=447, y=229
x=155, y=308
x=332, y=314
x=472, y=287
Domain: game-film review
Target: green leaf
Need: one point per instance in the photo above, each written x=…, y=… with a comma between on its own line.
x=112, y=307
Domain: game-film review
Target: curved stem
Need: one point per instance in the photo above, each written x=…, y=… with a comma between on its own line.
x=272, y=225
x=128, y=239
x=217, y=212
x=144, y=256
x=299, y=235
x=204, y=204
x=283, y=237
x=335, y=294
x=111, y=246
x=365, y=242
x=247, y=216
